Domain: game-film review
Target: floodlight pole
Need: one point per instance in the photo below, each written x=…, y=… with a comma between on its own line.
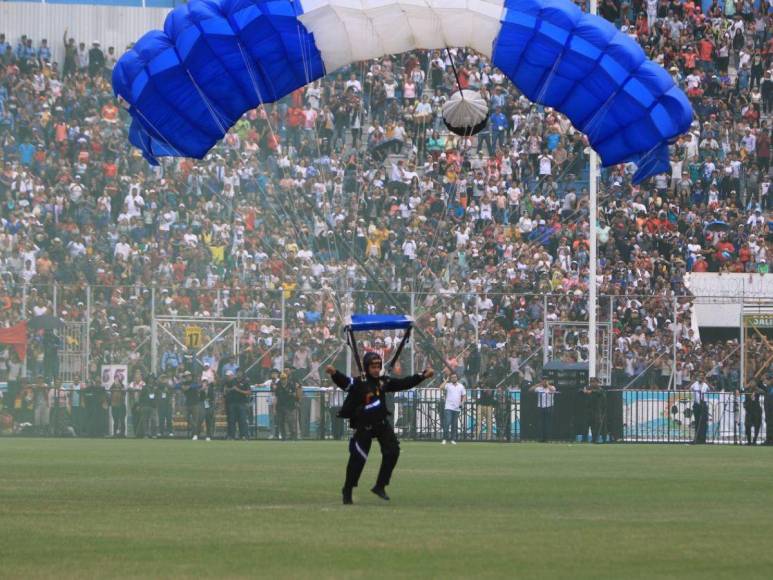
x=593, y=213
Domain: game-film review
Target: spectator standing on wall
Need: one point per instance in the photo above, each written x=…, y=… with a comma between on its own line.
x=96, y=59
x=70, y=56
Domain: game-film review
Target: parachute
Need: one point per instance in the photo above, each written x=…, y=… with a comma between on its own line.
x=187, y=85
x=370, y=322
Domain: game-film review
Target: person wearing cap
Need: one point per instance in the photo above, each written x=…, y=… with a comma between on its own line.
x=366, y=408
x=96, y=60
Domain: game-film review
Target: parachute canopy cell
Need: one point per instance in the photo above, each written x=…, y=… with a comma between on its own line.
x=215, y=59
x=368, y=322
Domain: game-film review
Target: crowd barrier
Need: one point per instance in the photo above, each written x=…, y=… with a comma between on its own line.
x=627, y=416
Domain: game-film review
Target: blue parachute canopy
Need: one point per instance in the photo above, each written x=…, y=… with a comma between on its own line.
x=216, y=59
x=367, y=322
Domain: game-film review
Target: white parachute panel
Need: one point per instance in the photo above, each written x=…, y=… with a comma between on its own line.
x=347, y=31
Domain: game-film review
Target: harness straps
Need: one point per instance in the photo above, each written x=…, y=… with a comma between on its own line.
x=353, y=345
x=395, y=356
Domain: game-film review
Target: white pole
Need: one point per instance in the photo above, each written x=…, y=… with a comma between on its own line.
x=674, y=328
x=593, y=212
x=282, y=338
x=412, y=342
x=153, y=333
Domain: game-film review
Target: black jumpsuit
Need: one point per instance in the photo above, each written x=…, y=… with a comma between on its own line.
x=753, y=407
x=365, y=407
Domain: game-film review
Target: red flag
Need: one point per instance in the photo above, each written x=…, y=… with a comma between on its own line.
x=17, y=337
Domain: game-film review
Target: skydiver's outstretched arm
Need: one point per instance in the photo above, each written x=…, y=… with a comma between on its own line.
x=340, y=379
x=406, y=383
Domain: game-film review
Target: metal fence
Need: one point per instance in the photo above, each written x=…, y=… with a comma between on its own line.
x=630, y=416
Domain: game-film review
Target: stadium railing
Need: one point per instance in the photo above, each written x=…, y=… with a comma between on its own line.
x=631, y=416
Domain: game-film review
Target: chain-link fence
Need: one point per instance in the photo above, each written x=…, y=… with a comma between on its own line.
x=484, y=337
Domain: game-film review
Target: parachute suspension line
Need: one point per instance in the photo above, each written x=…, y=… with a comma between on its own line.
x=251, y=71
x=284, y=169
x=256, y=88
x=210, y=107
x=553, y=70
x=352, y=342
x=456, y=73
x=388, y=295
x=150, y=123
x=305, y=49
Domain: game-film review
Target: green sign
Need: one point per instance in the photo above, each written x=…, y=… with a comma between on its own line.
x=758, y=320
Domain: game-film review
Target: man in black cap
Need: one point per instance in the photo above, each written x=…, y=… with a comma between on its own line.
x=366, y=408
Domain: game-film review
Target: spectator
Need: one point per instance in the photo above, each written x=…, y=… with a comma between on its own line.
x=454, y=395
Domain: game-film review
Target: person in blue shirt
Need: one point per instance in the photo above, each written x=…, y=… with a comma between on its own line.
x=485, y=135
x=498, y=128
x=44, y=52
x=26, y=153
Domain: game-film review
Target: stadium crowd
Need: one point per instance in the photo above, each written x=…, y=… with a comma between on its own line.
x=310, y=206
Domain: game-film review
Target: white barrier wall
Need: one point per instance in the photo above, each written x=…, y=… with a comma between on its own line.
x=111, y=25
x=718, y=298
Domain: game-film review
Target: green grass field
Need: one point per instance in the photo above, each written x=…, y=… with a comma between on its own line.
x=93, y=508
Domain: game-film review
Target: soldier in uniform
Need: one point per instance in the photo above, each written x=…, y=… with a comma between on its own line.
x=502, y=401
x=288, y=397
x=767, y=388
x=237, y=397
x=209, y=396
x=88, y=396
x=193, y=405
x=595, y=405
x=164, y=394
x=118, y=407
x=752, y=405
x=366, y=408
x=148, y=407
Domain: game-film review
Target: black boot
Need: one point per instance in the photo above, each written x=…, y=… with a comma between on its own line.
x=381, y=492
x=347, y=495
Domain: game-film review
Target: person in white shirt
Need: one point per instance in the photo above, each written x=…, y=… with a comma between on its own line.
x=545, y=402
x=700, y=407
x=455, y=395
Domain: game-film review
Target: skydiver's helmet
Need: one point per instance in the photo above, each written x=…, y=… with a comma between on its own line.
x=369, y=358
